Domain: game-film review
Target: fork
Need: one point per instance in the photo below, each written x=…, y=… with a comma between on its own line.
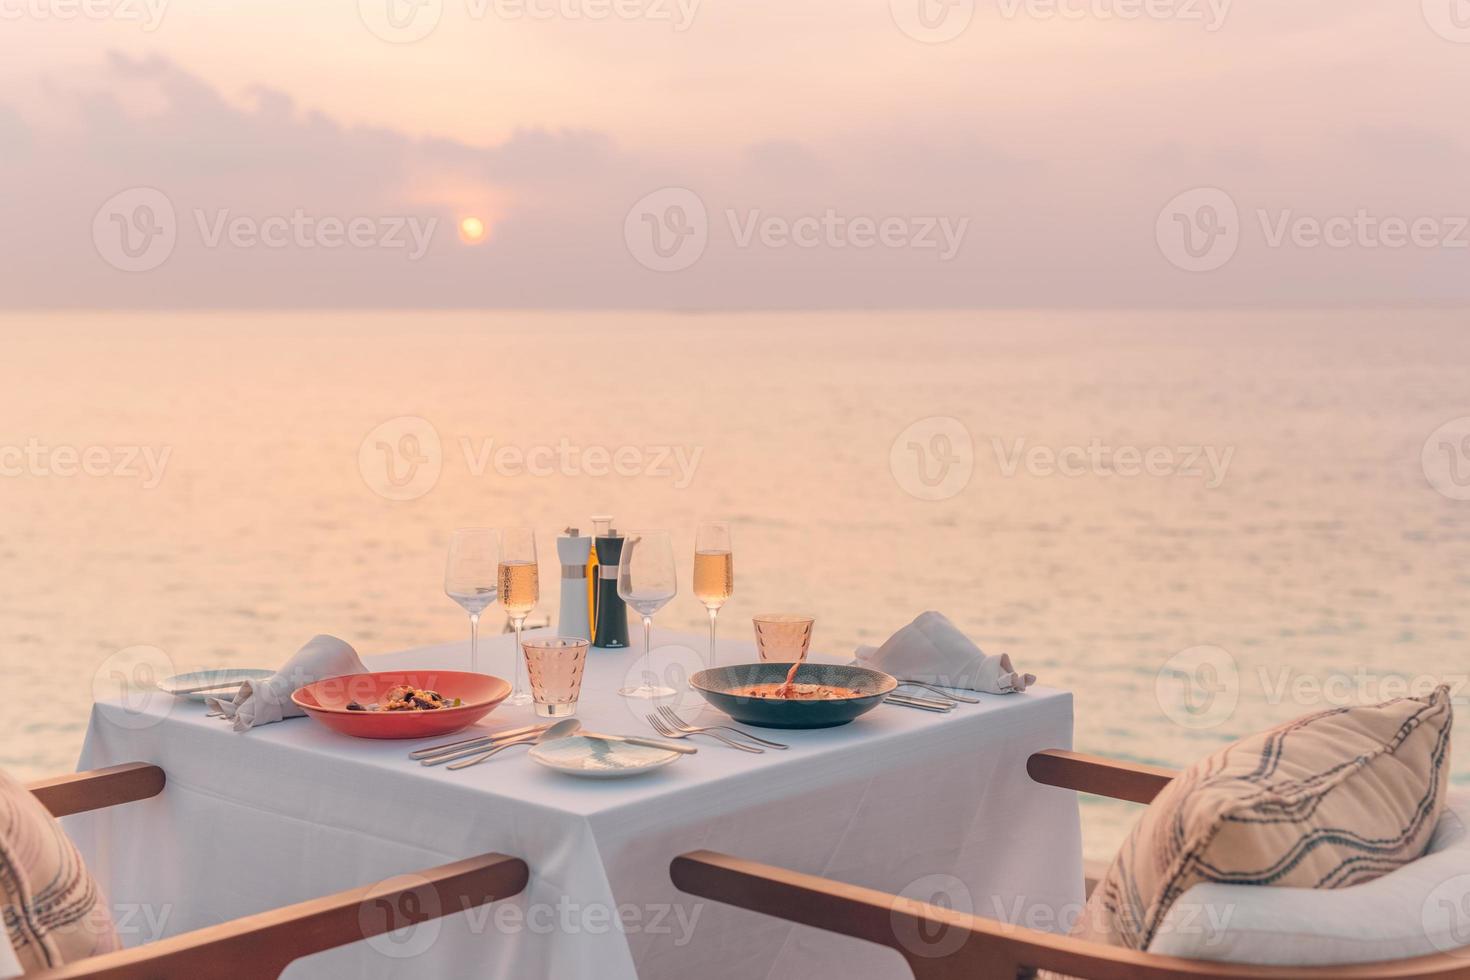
x=680, y=724
x=940, y=692
x=667, y=731
x=474, y=759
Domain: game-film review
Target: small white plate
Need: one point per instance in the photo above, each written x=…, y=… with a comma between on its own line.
x=578, y=755
x=219, y=675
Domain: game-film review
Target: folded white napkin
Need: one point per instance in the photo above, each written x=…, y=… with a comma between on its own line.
x=263, y=702
x=932, y=650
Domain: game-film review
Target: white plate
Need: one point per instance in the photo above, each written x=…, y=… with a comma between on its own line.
x=219, y=675
x=578, y=755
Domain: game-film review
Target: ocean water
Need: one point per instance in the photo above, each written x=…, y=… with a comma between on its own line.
x=1200, y=523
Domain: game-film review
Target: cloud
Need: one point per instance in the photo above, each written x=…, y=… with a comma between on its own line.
x=264, y=194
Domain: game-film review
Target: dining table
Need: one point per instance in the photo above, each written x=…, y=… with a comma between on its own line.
x=932, y=805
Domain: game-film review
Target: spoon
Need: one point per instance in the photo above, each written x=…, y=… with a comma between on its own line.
x=561, y=729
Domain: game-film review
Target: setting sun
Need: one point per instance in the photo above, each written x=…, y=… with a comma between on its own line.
x=471, y=231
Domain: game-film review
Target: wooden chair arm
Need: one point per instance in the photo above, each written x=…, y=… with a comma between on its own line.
x=261, y=946
x=79, y=792
x=983, y=949
x=1102, y=777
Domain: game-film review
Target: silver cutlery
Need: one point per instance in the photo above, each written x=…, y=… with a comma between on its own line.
x=921, y=699
x=563, y=728
x=679, y=724
x=664, y=729
x=634, y=740
x=923, y=703
x=941, y=692
x=464, y=742
x=459, y=753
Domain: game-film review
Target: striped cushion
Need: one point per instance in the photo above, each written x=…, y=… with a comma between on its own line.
x=1326, y=801
x=53, y=912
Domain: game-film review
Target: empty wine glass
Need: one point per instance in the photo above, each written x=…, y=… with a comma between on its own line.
x=520, y=590
x=647, y=581
x=714, y=572
x=470, y=577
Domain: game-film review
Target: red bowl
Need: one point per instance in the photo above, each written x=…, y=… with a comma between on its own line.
x=326, y=701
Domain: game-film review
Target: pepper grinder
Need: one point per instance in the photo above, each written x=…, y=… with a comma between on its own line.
x=573, y=549
x=610, y=631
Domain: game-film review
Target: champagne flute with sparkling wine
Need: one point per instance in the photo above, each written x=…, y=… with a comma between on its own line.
x=520, y=590
x=470, y=577
x=647, y=581
x=714, y=572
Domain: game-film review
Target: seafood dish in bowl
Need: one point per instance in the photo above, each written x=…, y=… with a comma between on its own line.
x=800, y=695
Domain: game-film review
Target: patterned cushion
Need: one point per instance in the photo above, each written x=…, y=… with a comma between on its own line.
x=53, y=912
x=1326, y=801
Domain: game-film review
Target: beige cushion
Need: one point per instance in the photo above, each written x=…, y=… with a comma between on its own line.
x=1416, y=910
x=1326, y=801
x=53, y=912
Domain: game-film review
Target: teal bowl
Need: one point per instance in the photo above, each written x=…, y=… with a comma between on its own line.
x=717, y=683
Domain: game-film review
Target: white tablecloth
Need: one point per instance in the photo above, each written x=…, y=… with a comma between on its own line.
x=938, y=804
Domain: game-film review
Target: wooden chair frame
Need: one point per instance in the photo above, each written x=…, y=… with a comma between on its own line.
x=264, y=945
x=992, y=950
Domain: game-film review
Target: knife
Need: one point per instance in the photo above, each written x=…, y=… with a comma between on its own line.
x=444, y=753
x=925, y=704
x=650, y=742
x=484, y=736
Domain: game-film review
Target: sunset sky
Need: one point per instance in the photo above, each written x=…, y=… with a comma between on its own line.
x=1052, y=143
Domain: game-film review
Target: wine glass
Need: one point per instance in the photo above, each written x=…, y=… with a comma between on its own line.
x=714, y=572
x=470, y=577
x=520, y=590
x=647, y=580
